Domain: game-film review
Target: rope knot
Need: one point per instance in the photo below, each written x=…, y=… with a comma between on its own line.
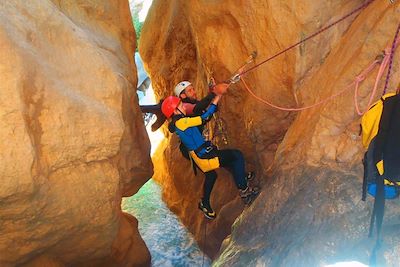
x=360, y=78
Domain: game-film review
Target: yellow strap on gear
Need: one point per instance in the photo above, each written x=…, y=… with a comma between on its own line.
x=380, y=167
x=387, y=182
x=205, y=165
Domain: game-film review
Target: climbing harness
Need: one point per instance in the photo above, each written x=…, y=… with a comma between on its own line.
x=205, y=164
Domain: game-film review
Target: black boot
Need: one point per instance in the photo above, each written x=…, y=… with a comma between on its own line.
x=252, y=181
x=249, y=194
x=205, y=207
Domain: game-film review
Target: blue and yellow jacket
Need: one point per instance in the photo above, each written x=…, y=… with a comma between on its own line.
x=188, y=132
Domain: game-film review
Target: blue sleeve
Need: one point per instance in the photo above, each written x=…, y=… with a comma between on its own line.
x=210, y=111
x=203, y=104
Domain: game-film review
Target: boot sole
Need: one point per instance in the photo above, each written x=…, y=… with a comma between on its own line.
x=250, y=199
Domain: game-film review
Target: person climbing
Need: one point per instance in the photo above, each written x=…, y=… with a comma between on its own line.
x=206, y=156
x=193, y=107
x=189, y=97
x=186, y=92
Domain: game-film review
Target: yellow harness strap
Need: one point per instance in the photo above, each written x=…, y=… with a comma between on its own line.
x=380, y=168
x=205, y=165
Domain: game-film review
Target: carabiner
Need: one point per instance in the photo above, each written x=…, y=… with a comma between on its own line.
x=235, y=78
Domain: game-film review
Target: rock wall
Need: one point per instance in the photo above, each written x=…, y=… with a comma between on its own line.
x=73, y=137
x=313, y=214
x=309, y=163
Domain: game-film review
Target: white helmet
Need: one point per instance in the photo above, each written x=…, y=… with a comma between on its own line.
x=180, y=87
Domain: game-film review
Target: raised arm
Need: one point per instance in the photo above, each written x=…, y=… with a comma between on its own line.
x=203, y=103
x=217, y=90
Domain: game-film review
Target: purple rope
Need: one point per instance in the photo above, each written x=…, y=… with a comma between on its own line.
x=391, y=59
x=367, y=3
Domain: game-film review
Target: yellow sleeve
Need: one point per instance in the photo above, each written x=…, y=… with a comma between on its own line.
x=184, y=123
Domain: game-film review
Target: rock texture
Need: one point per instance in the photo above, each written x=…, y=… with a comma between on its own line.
x=73, y=136
x=309, y=212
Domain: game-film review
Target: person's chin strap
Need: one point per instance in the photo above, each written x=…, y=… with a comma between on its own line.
x=180, y=111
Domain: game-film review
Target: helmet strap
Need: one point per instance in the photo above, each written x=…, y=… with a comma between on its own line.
x=180, y=111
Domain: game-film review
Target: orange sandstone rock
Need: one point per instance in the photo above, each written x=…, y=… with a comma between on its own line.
x=73, y=135
x=309, y=161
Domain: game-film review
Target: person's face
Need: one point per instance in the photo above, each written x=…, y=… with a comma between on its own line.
x=189, y=92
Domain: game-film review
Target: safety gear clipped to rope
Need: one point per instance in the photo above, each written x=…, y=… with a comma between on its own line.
x=211, y=83
x=236, y=76
x=216, y=128
x=219, y=129
x=169, y=105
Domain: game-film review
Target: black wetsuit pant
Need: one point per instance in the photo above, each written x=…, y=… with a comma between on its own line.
x=209, y=177
x=233, y=161
x=230, y=159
